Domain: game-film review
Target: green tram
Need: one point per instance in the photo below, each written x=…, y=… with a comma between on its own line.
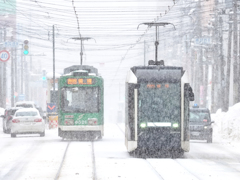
x=157, y=111
x=80, y=109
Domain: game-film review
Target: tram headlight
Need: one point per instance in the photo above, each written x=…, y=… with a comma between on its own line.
x=175, y=125
x=92, y=121
x=143, y=125
x=205, y=127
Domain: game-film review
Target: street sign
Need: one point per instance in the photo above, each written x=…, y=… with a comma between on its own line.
x=21, y=97
x=10, y=44
x=51, y=107
x=4, y=56
x=203, y=40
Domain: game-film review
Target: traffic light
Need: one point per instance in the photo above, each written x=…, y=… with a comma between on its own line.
x=44, y=79
x=44, y=75
x=25, y=47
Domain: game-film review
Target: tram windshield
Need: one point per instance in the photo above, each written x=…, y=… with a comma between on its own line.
x=80, y=99
x=160, y=102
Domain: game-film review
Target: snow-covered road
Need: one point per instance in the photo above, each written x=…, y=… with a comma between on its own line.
x=34, y=157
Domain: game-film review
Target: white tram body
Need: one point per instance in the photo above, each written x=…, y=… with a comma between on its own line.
x=157, y=109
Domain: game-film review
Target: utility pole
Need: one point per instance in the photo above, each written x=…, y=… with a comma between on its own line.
x=215, y=93
x=26, y=70
x=1, y=74
x=222, y=64
x=22, y=70
x=199, y=65
x=227, y=90
x=16, y=73
x=235, y=56
x=53, y=62
x=205, y=81
x=239, y=65
x=12, y=77
x=4, y=94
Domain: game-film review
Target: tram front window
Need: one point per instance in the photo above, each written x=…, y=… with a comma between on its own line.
x=80, y=99
x=160, y=102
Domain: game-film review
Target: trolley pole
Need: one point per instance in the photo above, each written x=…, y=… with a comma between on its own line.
x=81, y=54
x=81, y=45
x=156, y=45
x=150, y=24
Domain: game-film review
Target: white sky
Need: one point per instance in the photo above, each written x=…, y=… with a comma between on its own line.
x=113, y=24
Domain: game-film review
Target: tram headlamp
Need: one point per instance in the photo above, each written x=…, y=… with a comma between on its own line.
x=175, y=125
x=205, y=127
x=143, y=125
x=92, y=121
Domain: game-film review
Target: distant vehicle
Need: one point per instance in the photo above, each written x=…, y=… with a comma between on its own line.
x=31, y=104
x=27, y=121
x=200, y=124
x=41, y=112
x=7, y=118
x=157, y=111
x=81, y=98
x=26, y=104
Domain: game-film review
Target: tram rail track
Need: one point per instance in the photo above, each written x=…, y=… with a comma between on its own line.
x=60, y=167
x=64, y=158
x=154, y=170
x=93, y=163
x=149, y=164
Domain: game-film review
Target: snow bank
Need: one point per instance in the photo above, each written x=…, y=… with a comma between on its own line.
x=227, y=124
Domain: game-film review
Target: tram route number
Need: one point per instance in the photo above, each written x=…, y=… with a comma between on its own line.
x=81, y=122
x=4, y=56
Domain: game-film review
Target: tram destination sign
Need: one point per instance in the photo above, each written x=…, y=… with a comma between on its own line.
x=81, y=81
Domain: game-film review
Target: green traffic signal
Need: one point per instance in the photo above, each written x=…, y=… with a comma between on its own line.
x=25, y=47
x=25, y=52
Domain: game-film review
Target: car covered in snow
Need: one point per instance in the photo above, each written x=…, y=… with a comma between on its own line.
x=27, y=121
x=25, y=104
x=200, y=124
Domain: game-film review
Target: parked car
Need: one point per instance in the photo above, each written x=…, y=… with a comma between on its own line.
x=25, y=104
x=200, y=124
x=7, y=118
x=27, y=121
